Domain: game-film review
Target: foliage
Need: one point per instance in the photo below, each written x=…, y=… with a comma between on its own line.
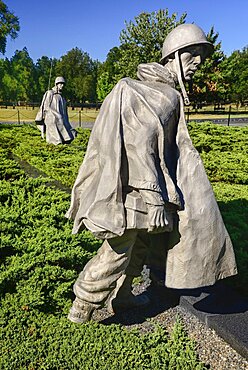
x=219, y=79
x=142, y=39
x=233, y=203
x=34, y=256
x=23, y=71
x=9, y=26
x=104, y=86
x=60, y=162
x=22, y=80
x=107, y=74
x=223, y=151
x=45, y=74
x=52, y=342
x=224, y=154
x=235, y=74
x=40, y=260
x=209, y=83
x=111, y=63
x=18, y=81
x=79, y=71
x=9, y=169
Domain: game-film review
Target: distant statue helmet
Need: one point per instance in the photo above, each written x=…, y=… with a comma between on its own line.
x=59, y=80
x=183, y=36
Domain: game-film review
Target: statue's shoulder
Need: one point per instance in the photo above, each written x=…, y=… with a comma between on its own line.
x=125, y=81
x=48, y=94
x=129, y=83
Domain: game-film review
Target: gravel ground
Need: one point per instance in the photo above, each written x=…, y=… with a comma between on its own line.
x=212, y=349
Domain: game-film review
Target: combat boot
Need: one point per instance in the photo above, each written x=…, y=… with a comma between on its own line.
x=81, y=311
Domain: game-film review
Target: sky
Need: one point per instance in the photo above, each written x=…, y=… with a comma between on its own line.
x=53, y=27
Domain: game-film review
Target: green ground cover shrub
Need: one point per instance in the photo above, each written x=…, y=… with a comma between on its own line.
x=51, y=342
x=37, y=247
x=39, y=261
x=60, y=162
x=224, y=151
x=233, y=202
x=9, y=169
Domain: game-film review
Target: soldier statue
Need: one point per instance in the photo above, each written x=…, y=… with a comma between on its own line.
x=143, y=189
x=52, y=117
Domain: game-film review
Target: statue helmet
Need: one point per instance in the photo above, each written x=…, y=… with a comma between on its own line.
x=59, y=80
x=183, y=36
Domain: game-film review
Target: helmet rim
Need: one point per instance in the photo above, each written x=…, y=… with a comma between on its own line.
x=208, y=46
x=59, y=79
x=183, y=36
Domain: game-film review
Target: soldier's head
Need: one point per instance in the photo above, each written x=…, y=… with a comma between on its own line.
x=184, y=48
x=59, y=83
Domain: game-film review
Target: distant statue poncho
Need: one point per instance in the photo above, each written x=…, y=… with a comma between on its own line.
x=52, y=117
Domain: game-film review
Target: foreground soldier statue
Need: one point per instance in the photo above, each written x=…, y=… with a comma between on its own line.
x=142, y=178
x=52, y=117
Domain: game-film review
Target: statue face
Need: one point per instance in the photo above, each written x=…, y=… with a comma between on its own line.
x=60, y=86
x=191, y=57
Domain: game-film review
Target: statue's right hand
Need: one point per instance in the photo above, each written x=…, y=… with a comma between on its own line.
x=157, y=218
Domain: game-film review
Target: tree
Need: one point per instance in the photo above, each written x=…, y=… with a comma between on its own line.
x=80, y=72
x=9, y=26
x=142, y=40
x=236, y=75
x=45, y=74
x=3, y=70
x=104, y=86
x=9, y=84
x=107, y=73
x=209, y=83
x=22, y=70
x=18, y=80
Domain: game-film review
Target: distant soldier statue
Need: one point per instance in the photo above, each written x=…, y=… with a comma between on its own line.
x=52, y=117
x=142, y=187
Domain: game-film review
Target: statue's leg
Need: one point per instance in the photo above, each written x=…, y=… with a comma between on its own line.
x=156, y=257
x=100, y=275
x=157, y=253
x=122, y=297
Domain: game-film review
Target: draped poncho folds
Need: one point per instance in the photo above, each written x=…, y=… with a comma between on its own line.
x=140, y=139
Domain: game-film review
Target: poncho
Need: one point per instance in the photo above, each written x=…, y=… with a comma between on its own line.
x=142, y=123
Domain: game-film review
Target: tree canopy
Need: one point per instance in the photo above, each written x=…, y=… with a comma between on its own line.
x=209, y=85
x=79, y=71
x=235, y=74
x=141, y=42
x=142, y=39
x=9, y=26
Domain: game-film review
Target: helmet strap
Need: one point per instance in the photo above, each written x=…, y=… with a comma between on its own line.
x=180, y=80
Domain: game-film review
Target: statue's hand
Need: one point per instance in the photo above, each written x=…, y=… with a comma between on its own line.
x=157, y=218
